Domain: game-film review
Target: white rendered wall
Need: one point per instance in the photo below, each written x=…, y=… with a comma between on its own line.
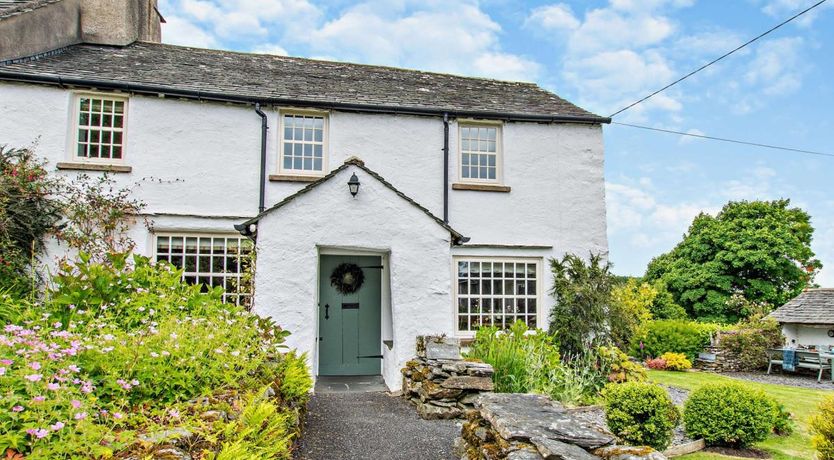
x=206, y=156
x=196, y=166
x=807, y=335
x=377, y=220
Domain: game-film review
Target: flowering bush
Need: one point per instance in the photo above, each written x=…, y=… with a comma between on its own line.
x=658, y=364
x=90, y=379
x=618, y=367
x=27, y=214
x=676, y=361
x=130, y=292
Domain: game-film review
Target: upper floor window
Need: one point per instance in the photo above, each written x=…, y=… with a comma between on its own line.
x=303, y=144
x=480, y=151
x=100, y=126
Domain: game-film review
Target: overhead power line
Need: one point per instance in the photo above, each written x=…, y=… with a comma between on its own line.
x=724, y=139
x=717, y=59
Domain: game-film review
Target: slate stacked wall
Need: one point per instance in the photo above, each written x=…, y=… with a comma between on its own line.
x=517, y=426
x=440, y=383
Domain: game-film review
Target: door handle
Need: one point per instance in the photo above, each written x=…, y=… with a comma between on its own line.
x=327, y=311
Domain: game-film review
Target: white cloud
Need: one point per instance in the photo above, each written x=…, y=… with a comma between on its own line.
x=181, y=31
x=690, y=139
x=776, y=66
x=553, y=17
x=456, y=38
x=783, y=9
x=277, y=50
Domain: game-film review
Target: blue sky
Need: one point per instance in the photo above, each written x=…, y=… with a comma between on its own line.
x=603, y=54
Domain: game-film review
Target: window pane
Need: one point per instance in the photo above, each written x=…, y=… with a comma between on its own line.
x=213, y=261
x=496, y=292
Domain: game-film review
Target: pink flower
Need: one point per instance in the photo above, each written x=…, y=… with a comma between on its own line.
x=37, y=432
x=174, y=413
x=35, y=365
x=117, y=415
x=33, y=377
x=75, y=403
x=53, y=386
x=57, y=426
x=17, y=408
x=2, y=371
x=39, y=399
x=7, y=362
x=134, y=382
x=74, y=368
x=80, y=415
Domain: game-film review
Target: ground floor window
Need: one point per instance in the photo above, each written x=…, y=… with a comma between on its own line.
x=496, y=292
x=209, y=260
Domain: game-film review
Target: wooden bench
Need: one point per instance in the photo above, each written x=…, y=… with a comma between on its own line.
x=804, y=360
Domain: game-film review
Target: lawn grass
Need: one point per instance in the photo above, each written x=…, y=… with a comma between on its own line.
x=801, y=402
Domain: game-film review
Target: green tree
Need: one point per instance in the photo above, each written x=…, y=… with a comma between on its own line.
x=583, y=297
x=630, y=310
x=758, y=249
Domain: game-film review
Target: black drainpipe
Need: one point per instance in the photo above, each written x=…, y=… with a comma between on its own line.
x=264, y=127
x=446, y=167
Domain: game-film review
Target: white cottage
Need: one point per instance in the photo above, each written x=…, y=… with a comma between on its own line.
x=808, y=319
x=384, y=203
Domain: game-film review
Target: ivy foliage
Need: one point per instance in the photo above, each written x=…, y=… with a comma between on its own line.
x=759, y=249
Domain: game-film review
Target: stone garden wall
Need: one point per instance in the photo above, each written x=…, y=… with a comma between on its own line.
x=440, y=383
x=517, y=426
x=716, y=358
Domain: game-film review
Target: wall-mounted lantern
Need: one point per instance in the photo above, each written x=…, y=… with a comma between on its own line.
x=353, y=185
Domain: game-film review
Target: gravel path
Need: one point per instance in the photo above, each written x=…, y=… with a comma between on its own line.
x=801, y=381
x=346, y=426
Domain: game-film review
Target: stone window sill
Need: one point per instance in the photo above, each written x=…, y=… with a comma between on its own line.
x=292, y=178
x=94, y=167
x=481, y=187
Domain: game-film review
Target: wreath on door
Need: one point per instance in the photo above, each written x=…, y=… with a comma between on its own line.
x=347, y=278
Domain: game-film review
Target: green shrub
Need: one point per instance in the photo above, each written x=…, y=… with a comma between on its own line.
x=28, y=212
x=576, y=381
x=642, y=414
x=822, y=426
x=618, y=367
x=783, y=424
x=750, y=339
x=582, y=290
x=687, y=337
x=294, y=381
x=676, y=361
x=129, y=291
x=262, y=432
x=729, y=414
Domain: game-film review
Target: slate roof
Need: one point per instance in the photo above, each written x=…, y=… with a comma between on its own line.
x=10, y=8
x=217, y=74
x=352, y=161
x=814, y=306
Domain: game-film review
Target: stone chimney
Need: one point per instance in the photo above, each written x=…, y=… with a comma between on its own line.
x=29, y=28
x=119, y=22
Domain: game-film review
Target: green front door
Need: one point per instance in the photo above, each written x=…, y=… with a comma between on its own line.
x=349, y=324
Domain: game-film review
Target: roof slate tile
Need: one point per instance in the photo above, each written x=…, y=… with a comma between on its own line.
x=270, y=77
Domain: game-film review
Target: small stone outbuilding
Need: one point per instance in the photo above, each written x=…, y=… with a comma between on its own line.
x=808, y=319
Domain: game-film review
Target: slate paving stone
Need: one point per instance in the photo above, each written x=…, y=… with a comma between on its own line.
x=375, y=425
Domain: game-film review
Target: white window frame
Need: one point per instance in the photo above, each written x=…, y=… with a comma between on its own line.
x=325, y=141
x=541, y=309
x=201, y=274
x=499, y=150
x=75, y=126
